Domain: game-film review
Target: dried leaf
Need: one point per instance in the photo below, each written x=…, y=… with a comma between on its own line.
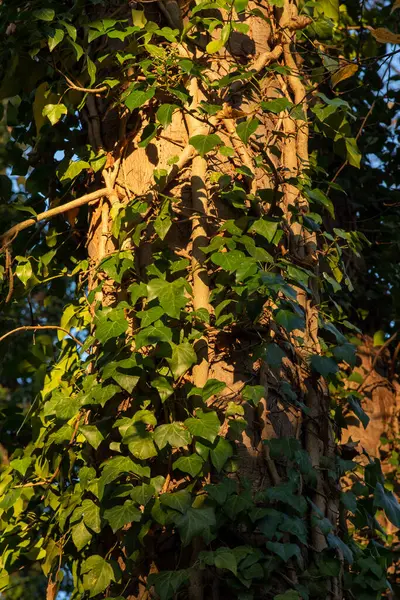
x=384, y=36
x=343, y=73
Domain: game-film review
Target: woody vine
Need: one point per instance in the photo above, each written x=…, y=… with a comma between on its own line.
x=178, y=279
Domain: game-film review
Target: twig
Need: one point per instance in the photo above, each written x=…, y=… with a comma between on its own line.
x=78, y=88
x=346, y=162
x=36, y=327
x=10, y=275
x=7, y=237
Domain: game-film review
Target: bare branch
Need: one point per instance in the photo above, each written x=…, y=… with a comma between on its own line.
x=11, y=234
x=40, y=327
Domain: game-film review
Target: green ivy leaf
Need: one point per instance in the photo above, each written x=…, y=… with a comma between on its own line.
x=150, y=336
x=288, y=595
x=137, y=98
x=220, y=454
x=167, y=583
x=276, y=106
x=118, y=465
x=205, y=143
x=246, y=129
x=212, y=388
x=387, y=500
x=174, y=434
x=122, y=514
x=289, y=320
x=196, y=522
x=92, y=434
x=106, y=329
x=163, y=387
x=56, y=39
x=189, y=464
x=265, y=227
x=183, y=357
x=323, y=365
x=224, y=558
x=24, y=270
x=74, y=169
x=284, y=551
x=228, y=261
x=165, y=112
x=358, y=410
x=179, y=501
x=90, y=513
x=98, y=575
x=205, y=425
x=254, y=393
x=80, y=535
x=44, y=14
x=142, y=494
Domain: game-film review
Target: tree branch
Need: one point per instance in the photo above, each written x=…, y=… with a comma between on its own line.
x=36, y=327
x=7, y=237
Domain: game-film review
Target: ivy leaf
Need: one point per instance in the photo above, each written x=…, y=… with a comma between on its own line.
x=174, y=434
x=54, y=112
x=167, y=583
x=288, y=595
x=55, y=39
x=205, y=143
x=358, y=410
x=274, y=355
x=246, y=129
x=142, y=494
x=205, y=425
x=196, y=522
x=122, y=514
x=98, y=575
x=118, y=465
x=137, y=98
x=220, y=454
x=183, y=357
x=164, y=114
x=353, y=154
x=24, y=270
x=80, y=535
x=224, y=558
x=319, y=197
x=189, y=464
x=323, y=365
x=228, y=261
x=21, y=464
x=284, y=551
x=44, y=14
x=150, y=336
x=179, y=501
x=163, y=387
x=211, y=388
x=388, y=501
x=90, y=513
x=106, y=329
x=276, y=106
x=124, y=372
x=74, y=169
x=336, y=542
x=289, y=320
x=253, y=393
x=92, y=434
x=265, y=227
